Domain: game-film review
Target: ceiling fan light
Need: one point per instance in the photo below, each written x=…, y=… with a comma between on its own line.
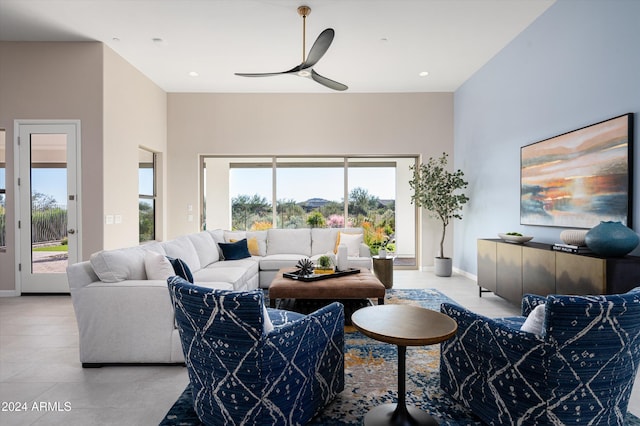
x=304, y=73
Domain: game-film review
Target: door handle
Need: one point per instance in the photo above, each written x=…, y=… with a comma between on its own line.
x=71, y=231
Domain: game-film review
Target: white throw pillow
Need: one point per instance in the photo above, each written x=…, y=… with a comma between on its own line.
x=157, y=266
x=268, y=325
x=352, y=241
x=535, y=321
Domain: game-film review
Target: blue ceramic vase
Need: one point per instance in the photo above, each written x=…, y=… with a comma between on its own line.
x=611, y=239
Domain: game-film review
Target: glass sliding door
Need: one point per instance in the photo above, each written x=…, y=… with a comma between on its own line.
x=251, y=192
x=254, y=193
x=379, y=201
x=372, y=194
x=310, y=192
x=237, y=193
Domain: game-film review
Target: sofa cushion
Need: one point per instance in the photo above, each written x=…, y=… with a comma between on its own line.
x=277, y=261
x=360, y=262
x=256, y=240
x=157, y=266
x=249, y=263
x=206, y=248
x=352, y=241
x=235, y=251
x=218, y=237
x=219, y=285
x=233, y=236
x=113, y=266
x=323, y=240
x=182, y=248
x=153, y=246
x=287, y=241
x=237, y=276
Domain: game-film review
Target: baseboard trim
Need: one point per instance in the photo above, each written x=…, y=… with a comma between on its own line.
x=9, y=293
x=455, y=270
x=466, y=274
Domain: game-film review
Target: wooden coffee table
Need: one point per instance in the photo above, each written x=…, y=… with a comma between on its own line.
x=402, y=325
x=363, y=285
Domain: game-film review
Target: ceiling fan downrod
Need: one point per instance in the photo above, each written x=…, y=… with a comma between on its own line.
x=304, y=11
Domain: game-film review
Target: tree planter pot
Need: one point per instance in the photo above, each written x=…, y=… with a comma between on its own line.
x=442, y=266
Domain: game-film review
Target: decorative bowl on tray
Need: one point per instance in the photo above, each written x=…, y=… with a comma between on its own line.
x=514, y=238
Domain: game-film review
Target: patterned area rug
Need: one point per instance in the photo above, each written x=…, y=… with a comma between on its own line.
x=371, y=377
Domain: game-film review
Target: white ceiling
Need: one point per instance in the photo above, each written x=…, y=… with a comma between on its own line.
x=380, y=45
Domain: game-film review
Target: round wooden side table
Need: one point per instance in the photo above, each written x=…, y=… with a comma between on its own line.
x=383, y=270
x=402, y=325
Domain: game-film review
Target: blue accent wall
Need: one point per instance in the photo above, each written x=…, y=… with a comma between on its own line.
x=577, y=64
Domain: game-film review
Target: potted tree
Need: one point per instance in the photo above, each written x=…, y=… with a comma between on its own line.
x=436, y=189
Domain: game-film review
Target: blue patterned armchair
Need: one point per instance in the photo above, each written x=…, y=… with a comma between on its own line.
x=579, y=370
x=241, y=374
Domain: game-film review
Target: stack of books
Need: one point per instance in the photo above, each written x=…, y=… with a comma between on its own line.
x=571, y=248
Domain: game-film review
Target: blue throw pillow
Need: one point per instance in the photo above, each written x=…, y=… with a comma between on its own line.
x=181, y=269
x=235, y=251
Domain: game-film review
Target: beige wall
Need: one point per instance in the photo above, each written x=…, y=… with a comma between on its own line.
x=306, y=124
x=54, y=81
x=119, y=109
x=135, y=115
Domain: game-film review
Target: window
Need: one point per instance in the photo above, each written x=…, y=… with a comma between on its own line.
x=147, y=195
x=3, y=191
x=250, y=192
x=307, y=192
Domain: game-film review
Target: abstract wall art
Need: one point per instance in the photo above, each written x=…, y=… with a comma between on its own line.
x=579, y=178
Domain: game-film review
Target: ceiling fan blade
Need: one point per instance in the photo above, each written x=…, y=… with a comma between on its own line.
x=331, y=84
x=260, y=74
x=319, y=48
x=269, y=74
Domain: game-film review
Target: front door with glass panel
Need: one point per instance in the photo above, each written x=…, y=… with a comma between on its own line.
x=47, y=204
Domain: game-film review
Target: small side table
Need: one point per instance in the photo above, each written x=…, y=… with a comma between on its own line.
x=402, y=325
x=383, y=270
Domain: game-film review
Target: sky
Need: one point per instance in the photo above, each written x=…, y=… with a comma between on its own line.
x=51, y=182
x=296, y=184
x=302, y=184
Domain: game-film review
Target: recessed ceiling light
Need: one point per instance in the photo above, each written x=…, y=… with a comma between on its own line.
x=193, y=74
x=115, y=39
x=157, y=40
x=424, y=73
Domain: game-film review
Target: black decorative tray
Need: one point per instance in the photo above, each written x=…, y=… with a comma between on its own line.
x=318, y=277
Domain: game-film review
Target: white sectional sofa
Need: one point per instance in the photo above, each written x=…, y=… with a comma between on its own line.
x=124, y=317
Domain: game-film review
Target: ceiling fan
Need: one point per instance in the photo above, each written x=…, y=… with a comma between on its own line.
x=305, y=69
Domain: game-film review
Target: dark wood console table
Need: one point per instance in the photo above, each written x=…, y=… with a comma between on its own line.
x=511, y=270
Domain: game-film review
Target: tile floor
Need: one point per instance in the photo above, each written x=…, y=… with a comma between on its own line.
x=39, y=363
